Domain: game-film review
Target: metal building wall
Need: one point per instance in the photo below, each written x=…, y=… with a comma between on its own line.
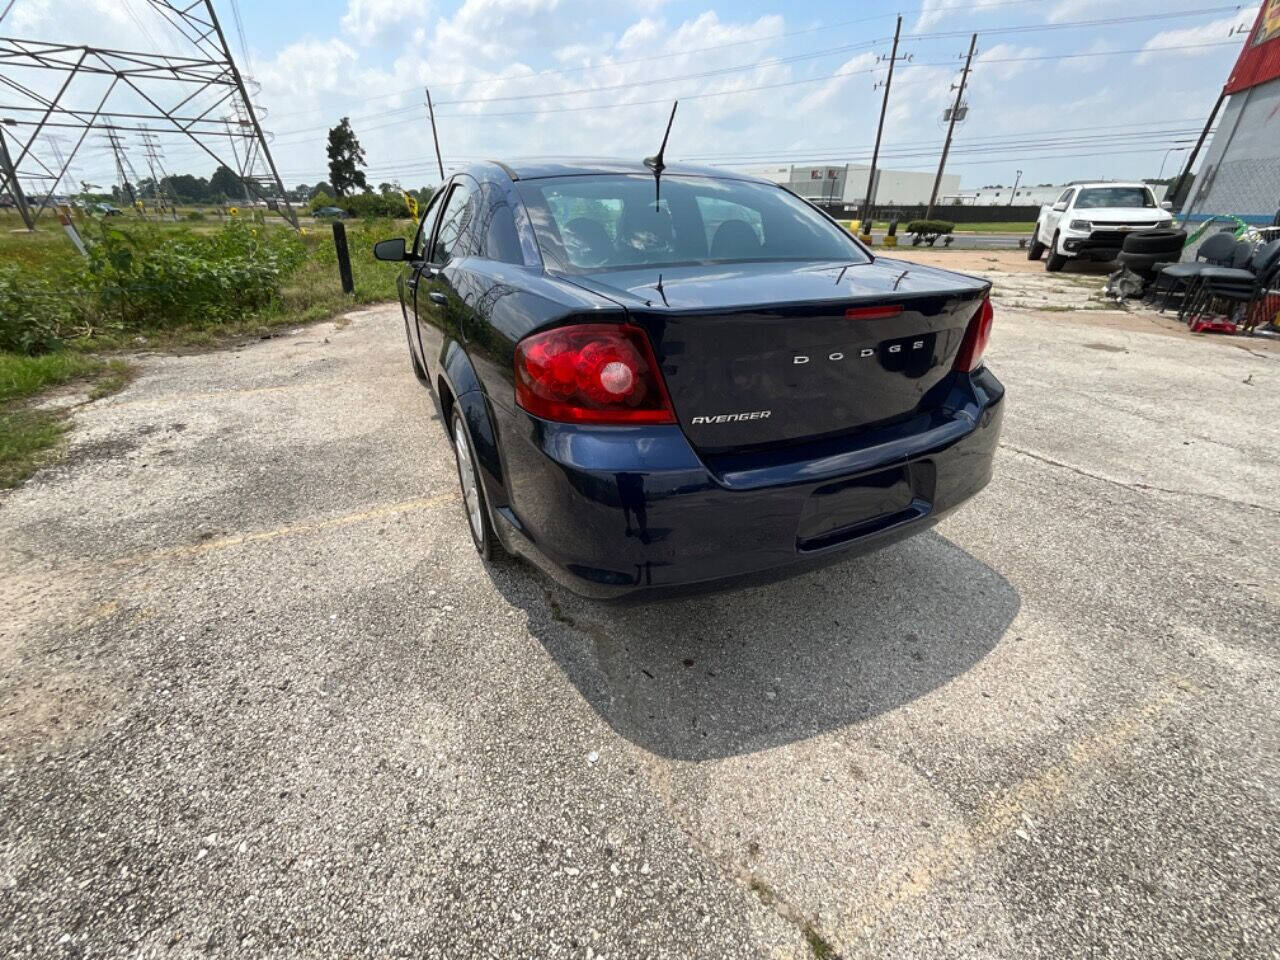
x=1240, y=175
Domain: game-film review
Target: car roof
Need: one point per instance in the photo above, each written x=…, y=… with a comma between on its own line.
x=1111, y=183
x=533, y=168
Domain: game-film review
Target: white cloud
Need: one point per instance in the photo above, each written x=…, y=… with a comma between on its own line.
x=1067, y=10
x=933, y=12
x=1217, y=30
x=1089, y=64
x=375, y=21
x=1003, y=63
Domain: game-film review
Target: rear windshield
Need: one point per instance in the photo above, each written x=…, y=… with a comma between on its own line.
x=610, y=221
x=1096, y=197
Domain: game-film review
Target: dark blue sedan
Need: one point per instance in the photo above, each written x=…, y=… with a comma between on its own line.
x=692, y=383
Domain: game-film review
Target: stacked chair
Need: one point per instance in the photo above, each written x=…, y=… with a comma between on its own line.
x=1232, y=288
x=1176, y=278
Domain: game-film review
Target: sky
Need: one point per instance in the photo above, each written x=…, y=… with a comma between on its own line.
x=1060, y=89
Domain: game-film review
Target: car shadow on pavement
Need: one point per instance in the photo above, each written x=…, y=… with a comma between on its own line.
x=730, y=673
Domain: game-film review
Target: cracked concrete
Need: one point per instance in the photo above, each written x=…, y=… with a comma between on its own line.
x=261, y=699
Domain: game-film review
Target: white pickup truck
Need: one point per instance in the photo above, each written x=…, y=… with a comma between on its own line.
x=1091, y=220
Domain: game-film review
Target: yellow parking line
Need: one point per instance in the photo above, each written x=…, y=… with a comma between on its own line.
x=177, y=399
x=1004, y=812
x=292, y=529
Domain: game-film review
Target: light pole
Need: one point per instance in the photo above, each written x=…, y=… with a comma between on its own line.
x=1014, y=192
x=1160, y=176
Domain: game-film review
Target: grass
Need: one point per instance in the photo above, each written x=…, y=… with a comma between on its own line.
x=1018, y=227
x=22, y=376
x=29, y=436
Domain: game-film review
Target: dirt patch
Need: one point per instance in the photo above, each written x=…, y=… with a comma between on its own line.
x=48, y=691
x=981, y=261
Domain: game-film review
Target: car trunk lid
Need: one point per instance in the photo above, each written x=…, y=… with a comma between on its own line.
x=757, y=355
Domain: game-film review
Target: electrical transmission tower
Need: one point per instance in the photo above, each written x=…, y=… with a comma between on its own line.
x=125, y=173
x=155, y=156
x=201, y=98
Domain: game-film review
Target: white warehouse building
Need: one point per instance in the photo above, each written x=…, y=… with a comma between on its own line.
x=846, y=183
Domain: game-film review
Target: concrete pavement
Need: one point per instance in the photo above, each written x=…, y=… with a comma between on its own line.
x=259, y=697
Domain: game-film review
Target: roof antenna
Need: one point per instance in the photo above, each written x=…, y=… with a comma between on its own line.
x=656, y=163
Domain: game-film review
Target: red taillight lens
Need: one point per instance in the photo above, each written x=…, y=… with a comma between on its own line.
x=591, y=373
x=975, y=339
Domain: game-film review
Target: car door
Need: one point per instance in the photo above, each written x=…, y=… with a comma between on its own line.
x=411, y=276
x=437, y=321
x=1054, y=215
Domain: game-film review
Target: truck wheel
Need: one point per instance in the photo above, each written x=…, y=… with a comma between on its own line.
x=1055, y=261
x=1035, y=249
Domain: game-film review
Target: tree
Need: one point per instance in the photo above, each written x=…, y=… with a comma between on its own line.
x=345, y=159
x=189, y=188
x=225, y=183
x=301, y=192
x=320, y=188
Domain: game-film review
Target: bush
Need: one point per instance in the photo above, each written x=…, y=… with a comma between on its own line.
x=195, y=215
x=36, y=311
x=375, y=205
x=145, y=277
x=321, y=199
x=930, y=226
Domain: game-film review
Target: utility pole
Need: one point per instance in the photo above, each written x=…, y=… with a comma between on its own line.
x=431, y=112
x=1014, y=192
x=9, y=178
x=951, y=126
x=884, y=107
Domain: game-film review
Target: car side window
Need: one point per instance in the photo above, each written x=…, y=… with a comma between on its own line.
x=423, y=236
x=495, y=229
x=1065, y=199
x=455, y=220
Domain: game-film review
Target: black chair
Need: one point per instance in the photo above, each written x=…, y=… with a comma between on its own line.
x=1238, y=286
x=1218, y=250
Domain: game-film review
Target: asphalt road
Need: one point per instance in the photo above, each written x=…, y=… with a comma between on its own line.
x=259, y=698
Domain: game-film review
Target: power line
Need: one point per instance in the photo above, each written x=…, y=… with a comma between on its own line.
x=831, y=51
x=559, y=71
x=805, y=80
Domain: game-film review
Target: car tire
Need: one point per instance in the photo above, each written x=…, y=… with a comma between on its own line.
x=1155, y=241
x=1035, y=249
x=1142, y=262
x=1055, y=261
x=474, y=504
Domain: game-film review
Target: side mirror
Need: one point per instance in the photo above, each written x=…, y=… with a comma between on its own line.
x=1059, y=207
x=1166, y=205
x=393, y=250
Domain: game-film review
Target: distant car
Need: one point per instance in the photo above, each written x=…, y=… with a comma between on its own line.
x=1090, y=221
x=331, y=213
x=7, y=202
x=107, y=210
x=651, y=394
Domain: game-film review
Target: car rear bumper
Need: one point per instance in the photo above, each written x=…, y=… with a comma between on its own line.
x=614, y=512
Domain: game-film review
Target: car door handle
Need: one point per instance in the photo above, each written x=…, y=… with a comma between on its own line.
x=437, y=297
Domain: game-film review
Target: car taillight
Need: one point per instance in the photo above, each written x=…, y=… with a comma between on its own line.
x=975, y=339
x=591, y=373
